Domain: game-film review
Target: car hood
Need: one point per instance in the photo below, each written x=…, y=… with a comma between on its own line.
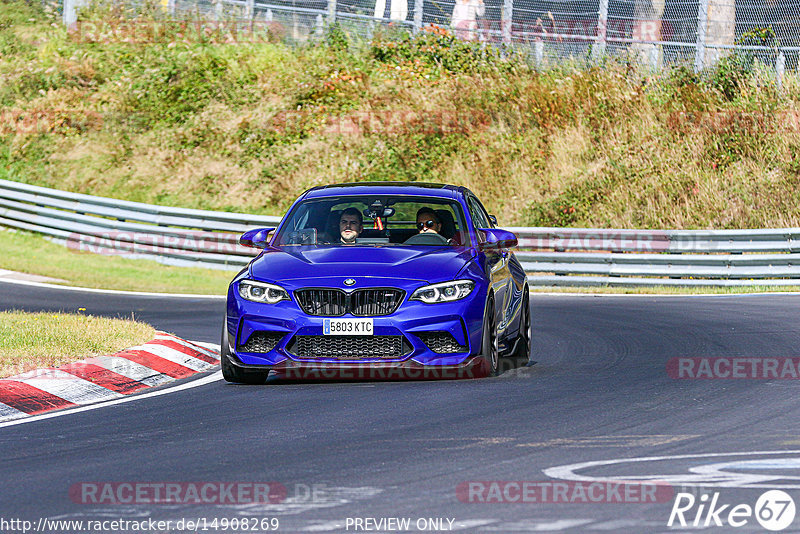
x=428, y=264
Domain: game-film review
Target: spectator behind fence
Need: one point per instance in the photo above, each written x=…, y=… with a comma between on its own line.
x=391, y=9
x=465, y=14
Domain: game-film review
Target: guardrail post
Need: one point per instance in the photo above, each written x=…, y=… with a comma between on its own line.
x=599, y=49
x=702, y=26
x=507, y=20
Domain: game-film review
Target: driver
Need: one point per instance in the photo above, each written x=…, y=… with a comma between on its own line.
x=351, y=223
x=428, y=221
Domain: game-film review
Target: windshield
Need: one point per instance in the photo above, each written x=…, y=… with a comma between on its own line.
x=375, y=221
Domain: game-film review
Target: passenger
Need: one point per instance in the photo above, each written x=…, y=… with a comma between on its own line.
x=428, y=221
x=351, y=223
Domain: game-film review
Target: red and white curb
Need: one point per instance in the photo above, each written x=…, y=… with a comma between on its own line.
x=164, y=359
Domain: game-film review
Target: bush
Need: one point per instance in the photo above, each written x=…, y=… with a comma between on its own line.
x=438, y=48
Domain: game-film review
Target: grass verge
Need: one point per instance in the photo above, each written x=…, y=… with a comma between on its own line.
x=32, y=254
x=35, y=340
x=202, y=120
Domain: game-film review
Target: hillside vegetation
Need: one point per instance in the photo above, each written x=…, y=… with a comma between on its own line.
x=189, y=119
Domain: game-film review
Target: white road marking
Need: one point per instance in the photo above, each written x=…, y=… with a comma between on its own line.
x=66, y=386
x=9, y=412
x=472, y=523
x=698, y=476
x=188, y=344
x=325, y=527
x=213, y=347
x=533, y=525
x=133, y=398
x=627, y=525
x=339, y=525
x=130, y=369
x=175, y=356
x=112, y=291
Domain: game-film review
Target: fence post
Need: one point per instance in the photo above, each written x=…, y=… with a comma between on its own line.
x=702, y=25
x=506, y=20
x=69, y=15
x=418, y=8
x=599, y=49
x=780, y=68
x=654, y=56
x=538, y=49
x=331, y=11
x=250, y=8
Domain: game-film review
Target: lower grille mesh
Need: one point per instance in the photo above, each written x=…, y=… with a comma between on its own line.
x=441, y=342
x=349, y=347
x=261, y=342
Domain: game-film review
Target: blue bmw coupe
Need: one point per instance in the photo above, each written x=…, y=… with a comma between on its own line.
x=378, y=280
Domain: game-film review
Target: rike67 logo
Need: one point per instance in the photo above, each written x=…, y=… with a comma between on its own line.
x=774, y=510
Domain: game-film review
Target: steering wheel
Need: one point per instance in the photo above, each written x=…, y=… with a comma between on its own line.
x=427, y=238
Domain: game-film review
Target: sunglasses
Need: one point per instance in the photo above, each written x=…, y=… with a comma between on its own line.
x=426, y=224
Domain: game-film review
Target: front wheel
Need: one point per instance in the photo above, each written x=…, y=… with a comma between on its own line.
x=524, y=337
x=490, y=350
x=230, y=372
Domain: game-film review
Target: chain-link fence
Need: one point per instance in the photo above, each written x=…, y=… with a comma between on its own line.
x=653, y=32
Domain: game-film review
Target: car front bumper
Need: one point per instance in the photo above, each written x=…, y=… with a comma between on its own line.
x=282, y=325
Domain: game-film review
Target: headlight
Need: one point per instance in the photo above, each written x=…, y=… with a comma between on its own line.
x=262, y=292
x=444, y=292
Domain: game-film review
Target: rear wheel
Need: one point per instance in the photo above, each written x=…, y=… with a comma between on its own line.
x=230, y=372
x=490, y=350
x=524, y=337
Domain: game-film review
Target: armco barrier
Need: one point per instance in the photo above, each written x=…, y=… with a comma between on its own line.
x=598, y=257
x=175, y=236
x=550, y=256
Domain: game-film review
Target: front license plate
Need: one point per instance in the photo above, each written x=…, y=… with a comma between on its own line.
x=347, y=327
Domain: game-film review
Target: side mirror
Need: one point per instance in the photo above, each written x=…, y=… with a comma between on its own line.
x=256, y=238
x=496, y=239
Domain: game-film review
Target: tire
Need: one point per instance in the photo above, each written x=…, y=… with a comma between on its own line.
x=230, y=372
x=524, y=345
x=490, y=351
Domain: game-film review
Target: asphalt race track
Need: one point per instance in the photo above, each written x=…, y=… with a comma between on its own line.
x=598, y=392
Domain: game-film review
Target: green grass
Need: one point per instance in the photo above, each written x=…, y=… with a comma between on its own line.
x=36, y=340
x=199, y=123
x=28, y=253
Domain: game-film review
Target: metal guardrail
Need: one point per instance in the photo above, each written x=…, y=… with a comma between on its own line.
x=597, y=257
x=550, y=256
x=175, y=236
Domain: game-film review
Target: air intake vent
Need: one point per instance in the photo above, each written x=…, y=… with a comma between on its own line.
x=350, y=347
x=441, y=342
x=261, y=342
x=372, y=302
